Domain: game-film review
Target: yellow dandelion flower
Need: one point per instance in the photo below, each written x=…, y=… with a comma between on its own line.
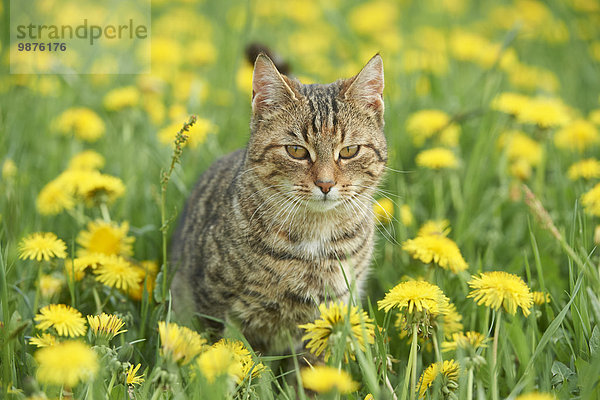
x=468, y=46
x=324, y=379
x=43, y=340
x=383, y=210
x=147, y=271
x=536, y=396
x=540, y=298
x=586, y=169
x=218, y=361
x=50, y=285
x=438, y=227
x=66, y=363
x=54, y=198
x=87, y=159
x=9, y=169
x=451, y=321
x=369, y=396
x=594, y=115
x=424, y=124
x=373, y=17
x=591, y=201
x=415, y=296
x=196, y=135
x=437, y=158
x=65, y=320
x=131, y=377
x=82, y=122
x=105, y=327
x=520, y=169
x=468, y=340
x=42, y=246
x=117, y=272
x=96, y=186
x=120, y=98
x=531, y=77
x=108, y=238
x=179, y=343
x=243, y=357
x=437, y=249
x=545, y=112
x=500, y=289
x=577, y=136
x=446, y=371
x=406, y=215
x=325, y=332
x=519, y=146
x=510, y=103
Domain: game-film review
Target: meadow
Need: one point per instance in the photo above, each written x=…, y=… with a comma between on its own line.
x=485, y=281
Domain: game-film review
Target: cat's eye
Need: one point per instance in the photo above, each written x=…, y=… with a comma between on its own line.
x=297, y=152
x=349, y=151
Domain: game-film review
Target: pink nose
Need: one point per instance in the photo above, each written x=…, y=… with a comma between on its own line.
x=325, y=186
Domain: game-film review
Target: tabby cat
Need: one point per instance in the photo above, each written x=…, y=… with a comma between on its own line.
x=268, y=229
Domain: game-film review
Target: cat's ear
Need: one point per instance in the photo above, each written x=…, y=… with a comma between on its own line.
x=270, y=89
x=366, y=88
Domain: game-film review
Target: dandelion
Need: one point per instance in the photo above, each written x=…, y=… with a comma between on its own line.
x=520, y=169
x=147, y=271
x=451, y=321
x=43, y=340
x=66, y=320
x=519, y=146
x=82, y=122
x=383, y=210
x=241, y=356
x=117, y=272
x=545, y=112
x=325, y=332
x=510, y=103
x=54, y=198
x=424, y=124
x=500, y=289
x=100, y=187
x=42, y=246
x=435, y=227
x=586, y=169
x=108, y=238
x=179, y=343
x=373, y=17
x=66, y=363
x=415, y=296
x=105, y=327
x=446, y=372
x=87, y=159
x=9, y=169
x=218, y=361
x=49, y=285
x=578, y=136
x=196, y=133
x=591, y=201
x=437, y=249
x=324, y=379
x=120, y=98
x=437, y=158
x=468, y=340
x=406, y=215
x=540, y=298
x=131, y=377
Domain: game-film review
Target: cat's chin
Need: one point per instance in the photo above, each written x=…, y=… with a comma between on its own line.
x=323, y=205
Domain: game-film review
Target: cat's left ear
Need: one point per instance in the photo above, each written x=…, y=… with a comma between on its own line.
x=366, y=88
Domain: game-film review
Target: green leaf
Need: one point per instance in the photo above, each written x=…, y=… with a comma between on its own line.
x=595, y=342
x=560, y=373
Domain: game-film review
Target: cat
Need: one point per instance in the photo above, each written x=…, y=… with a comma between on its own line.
x=267, y=229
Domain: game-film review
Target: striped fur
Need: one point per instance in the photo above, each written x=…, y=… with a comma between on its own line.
x=259, y=242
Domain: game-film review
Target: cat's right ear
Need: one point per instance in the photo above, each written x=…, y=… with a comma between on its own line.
x=270, y=89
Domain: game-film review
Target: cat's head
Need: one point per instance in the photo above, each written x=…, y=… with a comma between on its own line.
x=322, y=144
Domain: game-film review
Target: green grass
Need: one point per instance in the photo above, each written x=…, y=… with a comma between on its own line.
x=554, y=350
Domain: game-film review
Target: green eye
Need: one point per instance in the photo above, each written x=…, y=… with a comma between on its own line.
x=349, y=151
x=297, y=152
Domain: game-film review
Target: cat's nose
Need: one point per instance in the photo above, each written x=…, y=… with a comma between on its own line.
x=325, y=186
